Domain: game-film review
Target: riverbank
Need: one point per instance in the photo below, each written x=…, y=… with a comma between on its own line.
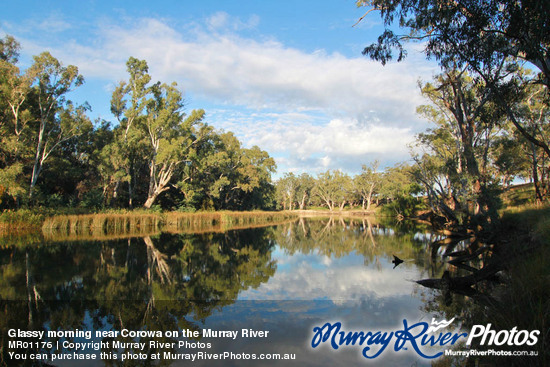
x=522, y=298
x=25, y=228
x=25, y=219
x=55, y=219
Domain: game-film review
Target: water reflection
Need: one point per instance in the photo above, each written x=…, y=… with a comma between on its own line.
x=283, y=279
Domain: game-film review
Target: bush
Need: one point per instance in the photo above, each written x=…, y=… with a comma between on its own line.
x=403, y=206
x=92, y=199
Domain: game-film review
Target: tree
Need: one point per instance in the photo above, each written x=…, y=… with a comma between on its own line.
x=134, y=92
x=366, y=183
x=37, y=121
x=533, y=113
x=15, y=90
x=224, y=175
x=399, y=190
x=286, y=189
x=481, y=35
x=333, y=188
x=9, y=49
x=397, y=181
x=465, y=108
x=14, y=116
x=92, y=184
x=128, y=104
x=492, y=39
x=59, y=119
x=253, y=178
x=292, y=189
x=172, y=138
x=306, y=183
x=510, y=158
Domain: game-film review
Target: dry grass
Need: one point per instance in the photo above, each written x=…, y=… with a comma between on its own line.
x=122, y=225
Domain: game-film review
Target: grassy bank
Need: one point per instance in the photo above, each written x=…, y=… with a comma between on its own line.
x=525, y=299
x=13, y=220
x=142, y=223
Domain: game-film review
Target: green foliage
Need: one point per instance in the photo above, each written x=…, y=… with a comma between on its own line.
x=92, y=199
x=21, y=218
x=156, y=155
x=404, y=206
x=455, y=161
x=483, y=35
x=367, y=184
x=503, y=44
x=333, y=188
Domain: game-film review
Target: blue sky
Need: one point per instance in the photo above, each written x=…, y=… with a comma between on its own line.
x=287, y=76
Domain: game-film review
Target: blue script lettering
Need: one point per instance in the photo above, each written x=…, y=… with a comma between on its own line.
x=332, y=331
x=412, y=335
x=377, y=338
x=322, y=336
x=406, y=335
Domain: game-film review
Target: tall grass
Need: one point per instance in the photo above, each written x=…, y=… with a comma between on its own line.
x=124, y=224
x=115, y=225
x=99, y=224
x=527, y=297
x=517, y=195
x=223, y=220
x=24, y=218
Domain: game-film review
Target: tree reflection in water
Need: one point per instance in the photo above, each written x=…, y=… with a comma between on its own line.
x=177, y=281
x=162, y=282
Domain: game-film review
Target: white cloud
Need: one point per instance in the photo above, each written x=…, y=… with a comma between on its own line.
x=252, y=73
x=313, y=111
x=53, y=24
x=315, y=144
x=309, y=277
x=221, y=21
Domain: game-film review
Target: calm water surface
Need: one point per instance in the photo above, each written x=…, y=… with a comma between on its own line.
x=284, y=279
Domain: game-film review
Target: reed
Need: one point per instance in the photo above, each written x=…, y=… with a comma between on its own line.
x=223, y=220
x=91, y=224
x=144, y=223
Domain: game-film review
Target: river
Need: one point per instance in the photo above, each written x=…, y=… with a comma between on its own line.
x=236, y=297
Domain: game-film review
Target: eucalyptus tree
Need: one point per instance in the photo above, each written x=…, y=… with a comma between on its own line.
x=467, y=122
x=128, y=105
x=9, y=49
x=510, y=156
x=252, y=179
x=492, y=39
x=399, y=191
x=397, y=181
x=366, y=183
x=478, y=33
x=14, y=116
x=36, y=118
x=15, y=89
x=306, y=183
x=333, y=188
x=286, y=190
x=534, y=114
x=224, y=175
x=58, y=119
x=173, y=137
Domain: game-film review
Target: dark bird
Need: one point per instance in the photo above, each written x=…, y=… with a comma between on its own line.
x=396, y=261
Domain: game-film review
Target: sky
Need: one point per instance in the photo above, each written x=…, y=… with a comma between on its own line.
x=287, y=76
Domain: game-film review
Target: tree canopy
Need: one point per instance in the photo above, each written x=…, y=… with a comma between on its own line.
x=155, y=154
